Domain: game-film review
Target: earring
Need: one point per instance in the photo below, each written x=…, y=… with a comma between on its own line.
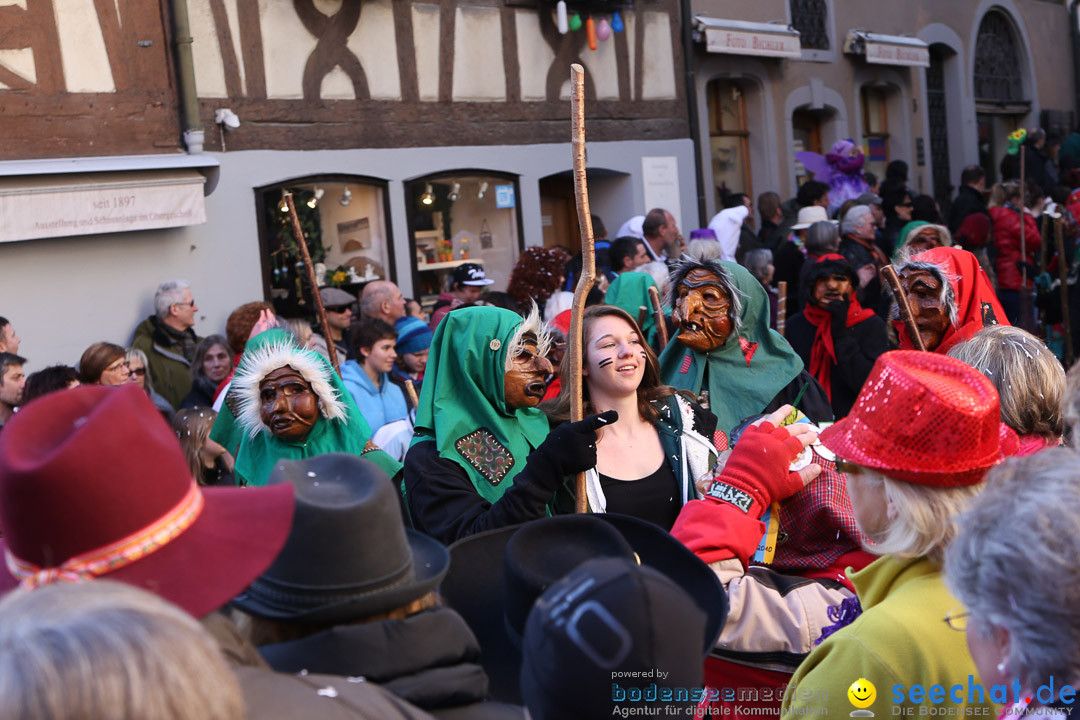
x=1001, y=667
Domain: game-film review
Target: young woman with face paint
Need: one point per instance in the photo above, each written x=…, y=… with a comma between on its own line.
x=648, y=461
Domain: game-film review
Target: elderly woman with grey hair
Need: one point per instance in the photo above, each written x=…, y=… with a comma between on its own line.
x=859, y=244
x=760, y=264
x=1020, y=583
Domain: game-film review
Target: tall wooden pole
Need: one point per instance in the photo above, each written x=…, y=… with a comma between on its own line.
x=320, y=311
x=1025, y=297
x=888, y=274
x=661, y=324
x=781, y=307
x=588, y=260
x=1063, y=274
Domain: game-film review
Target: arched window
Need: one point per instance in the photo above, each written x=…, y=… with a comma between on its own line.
x=345, y=220
x=997, y=62
x=810, y=18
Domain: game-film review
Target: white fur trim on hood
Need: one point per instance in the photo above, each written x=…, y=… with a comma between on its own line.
x=261, y=362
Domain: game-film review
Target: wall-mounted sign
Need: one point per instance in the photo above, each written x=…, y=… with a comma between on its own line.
x=61, y=205
x=504, y=196
x=737, y=37
x=888, y=49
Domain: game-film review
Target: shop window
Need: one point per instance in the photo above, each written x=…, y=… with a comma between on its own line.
x=345, y=221
x=810, y=18
x=458, y=217
x=729, y=138
x=875, y=122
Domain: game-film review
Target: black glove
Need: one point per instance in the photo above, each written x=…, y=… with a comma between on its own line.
x=839, y=308
x=570, y=448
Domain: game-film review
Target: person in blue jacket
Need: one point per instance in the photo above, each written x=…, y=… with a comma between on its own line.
x=381, y=401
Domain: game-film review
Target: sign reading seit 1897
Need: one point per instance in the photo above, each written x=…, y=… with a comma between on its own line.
x=735, y=42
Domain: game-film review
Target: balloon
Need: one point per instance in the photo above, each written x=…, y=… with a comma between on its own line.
x=590, y=31
x=603, y=30
x=616, y=22
x=575, y=22
x=560, y=14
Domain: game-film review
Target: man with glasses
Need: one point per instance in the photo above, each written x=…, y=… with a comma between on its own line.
x=168, y=340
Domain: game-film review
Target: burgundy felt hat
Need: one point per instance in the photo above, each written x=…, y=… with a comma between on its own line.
x=94, y=484
x=924, y=418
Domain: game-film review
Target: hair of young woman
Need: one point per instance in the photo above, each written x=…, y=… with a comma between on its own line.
x=649, y=391
x=192, y=427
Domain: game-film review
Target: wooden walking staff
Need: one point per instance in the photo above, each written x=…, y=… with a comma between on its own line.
x=410, y=393
x=781, y=307
x=320, y=311
x=888, y=274
x=658, y=311
x=1063, y=273
x=588, y=261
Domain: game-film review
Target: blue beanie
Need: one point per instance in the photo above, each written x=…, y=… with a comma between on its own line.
x=413, y=335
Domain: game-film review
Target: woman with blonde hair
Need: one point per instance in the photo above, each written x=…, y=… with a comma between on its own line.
x=1029, y=379
x=140, y=375
x=109, y=651
x=915, y=448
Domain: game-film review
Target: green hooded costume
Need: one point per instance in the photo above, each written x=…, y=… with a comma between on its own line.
x=464, y=395
x=630, y=292
x=340, y=426
x=745, y=373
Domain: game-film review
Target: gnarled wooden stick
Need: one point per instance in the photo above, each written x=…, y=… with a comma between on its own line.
x=888, y=274
x=781, y=307
x=320, y=311
x=588, y=261
x=410, y=393
x=658, y=311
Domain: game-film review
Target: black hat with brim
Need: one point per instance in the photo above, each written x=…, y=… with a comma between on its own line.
x=349, y=554
x=477, y=585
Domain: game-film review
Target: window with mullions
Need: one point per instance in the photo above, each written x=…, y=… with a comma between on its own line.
x=810, y=18
x=729, y=138
x=997, y=62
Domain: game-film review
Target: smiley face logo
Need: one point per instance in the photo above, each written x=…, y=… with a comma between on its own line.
x=862, y=693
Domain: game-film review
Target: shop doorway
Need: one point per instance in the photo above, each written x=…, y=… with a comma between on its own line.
x=806, y=126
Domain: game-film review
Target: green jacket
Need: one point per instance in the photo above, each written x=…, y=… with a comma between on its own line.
x=899, y=639
x=170, y=371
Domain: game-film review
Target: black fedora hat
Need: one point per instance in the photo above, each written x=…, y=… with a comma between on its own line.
x=497, y=575
x=349, y=554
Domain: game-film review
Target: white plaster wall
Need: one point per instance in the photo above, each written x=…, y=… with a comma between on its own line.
x=100, y=287
x=375, y=43
x=478, y=61
x=425, y=22
x=206, y=51
x=82, y=47
x=286, y=47
x=658, y=68
x=534, y=55
x=20, y=62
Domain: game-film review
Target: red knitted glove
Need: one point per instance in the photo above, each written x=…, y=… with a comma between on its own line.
x=757, y=473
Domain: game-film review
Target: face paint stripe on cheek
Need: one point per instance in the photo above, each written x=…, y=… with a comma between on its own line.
x=605, y=362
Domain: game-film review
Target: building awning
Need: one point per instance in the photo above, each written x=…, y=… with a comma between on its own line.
x=87, y=204
x=87, y=196
x=888, y=49
x=736, y=37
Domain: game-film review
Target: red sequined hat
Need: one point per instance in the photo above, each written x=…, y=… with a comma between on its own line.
x=924, y=418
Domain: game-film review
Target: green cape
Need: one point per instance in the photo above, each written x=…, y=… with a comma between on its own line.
x=630, y=291
x=344, y=431
x=464, y=388
x=738, y=387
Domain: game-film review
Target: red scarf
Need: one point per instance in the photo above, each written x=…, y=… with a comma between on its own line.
x=823, y=354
